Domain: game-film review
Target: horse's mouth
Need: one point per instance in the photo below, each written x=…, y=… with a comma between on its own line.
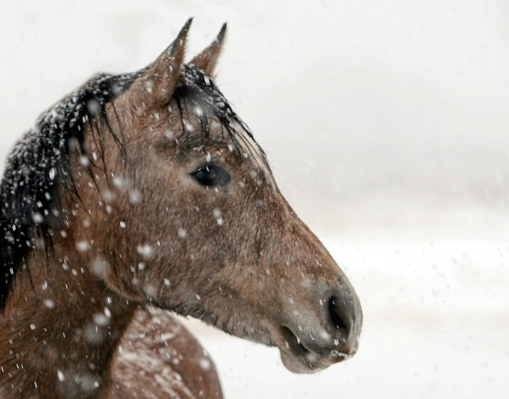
x=299, y=359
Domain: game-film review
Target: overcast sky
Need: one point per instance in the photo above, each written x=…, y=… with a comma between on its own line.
x=351, y=100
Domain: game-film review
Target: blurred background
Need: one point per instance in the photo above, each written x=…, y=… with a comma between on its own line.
x=386, y=124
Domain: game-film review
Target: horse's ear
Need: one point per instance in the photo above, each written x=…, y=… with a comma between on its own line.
x=159, y=79
x=207, y=59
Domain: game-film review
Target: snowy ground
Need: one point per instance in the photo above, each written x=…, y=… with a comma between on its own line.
x=436, y=324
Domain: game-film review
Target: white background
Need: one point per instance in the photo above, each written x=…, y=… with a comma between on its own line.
x=386, y=124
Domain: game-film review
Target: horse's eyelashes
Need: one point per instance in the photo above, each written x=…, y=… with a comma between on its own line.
x=211, y=175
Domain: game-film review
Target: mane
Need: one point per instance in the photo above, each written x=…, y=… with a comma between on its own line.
x=38, y=172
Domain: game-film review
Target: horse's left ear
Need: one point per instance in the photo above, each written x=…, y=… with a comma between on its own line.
x=156, y=84
x=207, y=59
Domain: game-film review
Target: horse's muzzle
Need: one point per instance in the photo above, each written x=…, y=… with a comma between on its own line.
x=330, y=335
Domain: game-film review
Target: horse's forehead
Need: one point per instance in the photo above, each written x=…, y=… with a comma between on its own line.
x=206, y=94
x=241, y=143
x=251, y=148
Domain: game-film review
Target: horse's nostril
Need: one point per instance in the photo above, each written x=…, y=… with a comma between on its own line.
x=340, y=318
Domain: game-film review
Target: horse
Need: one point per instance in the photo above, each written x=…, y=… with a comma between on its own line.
x=141, y=194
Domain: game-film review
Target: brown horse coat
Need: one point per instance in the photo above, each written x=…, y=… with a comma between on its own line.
x=146, y=189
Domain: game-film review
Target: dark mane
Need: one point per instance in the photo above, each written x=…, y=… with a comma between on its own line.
x=38, y=171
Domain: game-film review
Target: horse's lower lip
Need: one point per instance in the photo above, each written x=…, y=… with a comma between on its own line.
x=293, y=343
x=299, y=359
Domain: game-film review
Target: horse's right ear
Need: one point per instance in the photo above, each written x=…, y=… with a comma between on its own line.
x=207, y=59
x=156, y=84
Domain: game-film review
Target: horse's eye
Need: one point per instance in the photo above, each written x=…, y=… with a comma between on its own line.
x=211, y=175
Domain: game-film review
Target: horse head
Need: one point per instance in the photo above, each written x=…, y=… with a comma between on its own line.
x=155, y=192
x=207, y=231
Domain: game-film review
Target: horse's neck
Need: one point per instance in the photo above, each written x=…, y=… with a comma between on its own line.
x=59, y=334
